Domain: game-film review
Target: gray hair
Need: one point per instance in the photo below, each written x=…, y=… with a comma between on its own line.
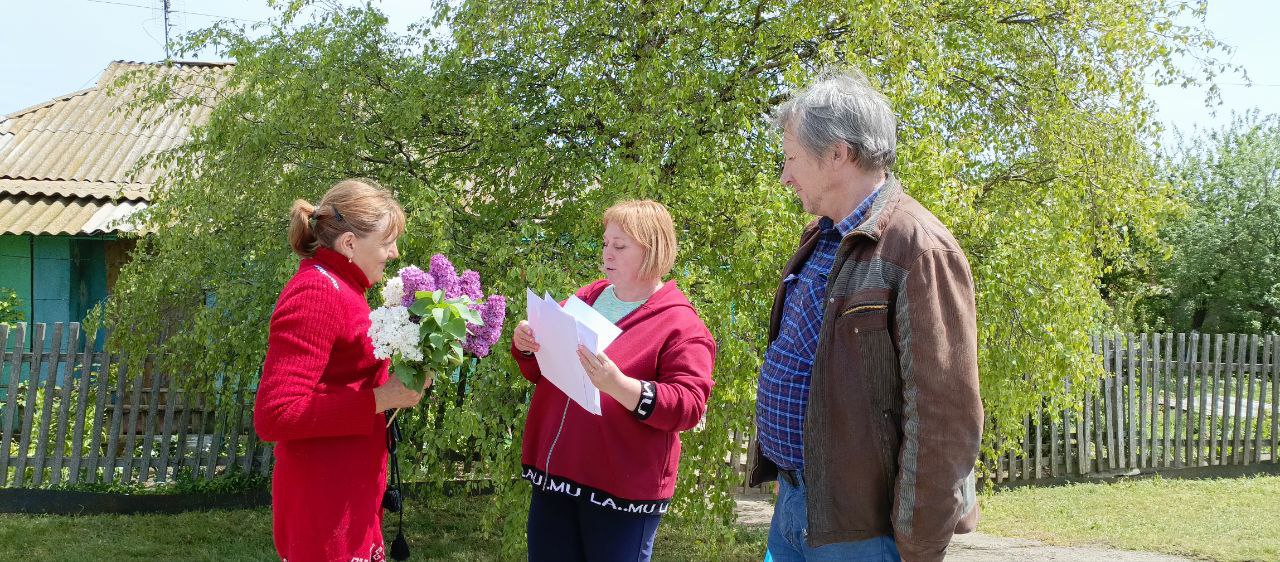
x=842, y=106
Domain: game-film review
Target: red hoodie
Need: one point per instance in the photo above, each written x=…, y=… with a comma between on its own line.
x=621, y=459
x=315, y=401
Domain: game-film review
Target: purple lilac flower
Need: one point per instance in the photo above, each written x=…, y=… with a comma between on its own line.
x=495, y=310
x=469, y=285
x=414, y=280
x=482, y=338
x=445, y=276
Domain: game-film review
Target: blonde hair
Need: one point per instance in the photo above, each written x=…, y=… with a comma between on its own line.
x=649, y=223
x=358, y=205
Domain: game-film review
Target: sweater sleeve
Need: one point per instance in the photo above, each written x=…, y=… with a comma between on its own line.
x=677, y=398
x=291, y=402
x=942, y=411
x=528, y=364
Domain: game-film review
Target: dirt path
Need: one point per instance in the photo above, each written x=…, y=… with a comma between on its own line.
x=755, y=510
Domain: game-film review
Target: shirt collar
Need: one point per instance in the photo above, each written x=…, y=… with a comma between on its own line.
x=854, y=219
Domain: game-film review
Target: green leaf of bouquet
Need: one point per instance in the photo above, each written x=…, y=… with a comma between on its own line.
x=408, y=373
x=469, y=315
x=438, y=315
x=420, y=308
x=437, y=340
x=419, y=379
x=457, y=328
x=440, y=355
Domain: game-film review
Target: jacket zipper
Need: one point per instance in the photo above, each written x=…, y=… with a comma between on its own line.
x=864, y=308
x=550, y=450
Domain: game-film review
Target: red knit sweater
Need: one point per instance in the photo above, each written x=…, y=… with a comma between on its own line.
x=618, y=460
x=316, y=402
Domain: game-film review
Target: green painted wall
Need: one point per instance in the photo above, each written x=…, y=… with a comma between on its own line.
x=58, y=278
x=15, y=268
x=51, y=280
x=15, y=273
x=88, y=276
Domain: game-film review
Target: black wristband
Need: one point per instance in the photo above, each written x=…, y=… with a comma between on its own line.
x=648, y=400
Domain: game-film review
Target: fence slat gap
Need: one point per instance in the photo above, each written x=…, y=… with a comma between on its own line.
x=130, y=431
x=82, y=406
x=28, y=408
x=1261, y=375
x=1131, y=382
x=1246, y=452
x=12, y=390
x=1202, y=405
x=153, y=410
x=1237, y=453
x=59, y=439
x=117, y=419
x=166, y=429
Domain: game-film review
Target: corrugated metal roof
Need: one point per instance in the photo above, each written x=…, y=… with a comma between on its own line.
x=35, y=214
x=93, y=189
x=89, y=136
x=67, y=165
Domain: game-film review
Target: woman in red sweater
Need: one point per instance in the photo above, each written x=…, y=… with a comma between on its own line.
x=322, y=392
x=602, y=483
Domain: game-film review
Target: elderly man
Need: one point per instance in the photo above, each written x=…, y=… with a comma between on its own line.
x=868, y=411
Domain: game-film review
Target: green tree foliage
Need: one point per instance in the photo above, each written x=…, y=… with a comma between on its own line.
x=1224, y=271
x=10, y=306
x=1022, y=127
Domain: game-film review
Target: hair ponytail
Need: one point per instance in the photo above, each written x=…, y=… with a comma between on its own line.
x=302, y=235
x=366, y=210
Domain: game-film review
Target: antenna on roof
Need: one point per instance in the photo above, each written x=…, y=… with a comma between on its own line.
x=166, y=30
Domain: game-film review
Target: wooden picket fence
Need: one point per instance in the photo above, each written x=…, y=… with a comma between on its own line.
x=1167, y=402
x=72, y=415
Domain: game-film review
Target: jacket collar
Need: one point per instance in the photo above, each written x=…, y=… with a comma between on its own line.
x=339, y=265
x=881, y=209
x=873, y=225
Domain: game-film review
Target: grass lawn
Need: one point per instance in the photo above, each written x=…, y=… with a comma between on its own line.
x=448, y=530
x=1223, y=519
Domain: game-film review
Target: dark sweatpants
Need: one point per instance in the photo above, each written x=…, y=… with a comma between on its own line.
x=565, y=528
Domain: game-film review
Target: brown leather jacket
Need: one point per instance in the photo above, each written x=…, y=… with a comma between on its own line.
x=894, y=420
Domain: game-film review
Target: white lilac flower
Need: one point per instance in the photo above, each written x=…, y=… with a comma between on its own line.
x=393, y=291
x=392, y=332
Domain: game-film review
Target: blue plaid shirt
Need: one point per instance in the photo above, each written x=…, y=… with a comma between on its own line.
x=783, y=392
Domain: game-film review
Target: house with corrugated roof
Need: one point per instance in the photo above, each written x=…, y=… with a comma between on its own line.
x=70, y=178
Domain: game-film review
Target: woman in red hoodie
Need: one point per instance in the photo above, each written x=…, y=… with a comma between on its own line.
x=601, y=483
x=322, y=392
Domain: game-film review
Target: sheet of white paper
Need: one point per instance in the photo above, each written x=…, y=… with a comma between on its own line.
x=559, y=334
x=532, y=306
x=591, y=321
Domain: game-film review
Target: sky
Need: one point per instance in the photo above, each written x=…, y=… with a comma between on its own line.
x=53, y=47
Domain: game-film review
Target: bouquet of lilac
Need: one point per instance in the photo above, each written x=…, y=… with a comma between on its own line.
x=430, y=320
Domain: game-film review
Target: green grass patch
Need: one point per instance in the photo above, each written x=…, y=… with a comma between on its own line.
x=442, y=529
x=1221, y=519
